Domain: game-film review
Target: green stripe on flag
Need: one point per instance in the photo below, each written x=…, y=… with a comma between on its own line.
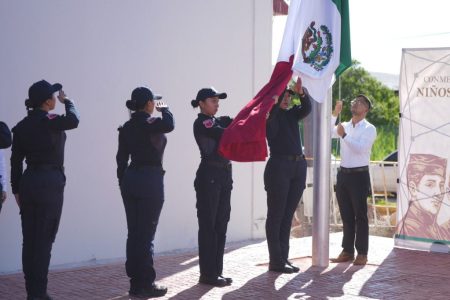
x=418, y=239
x=346, y=53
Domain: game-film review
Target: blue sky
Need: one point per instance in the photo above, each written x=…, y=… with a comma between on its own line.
x=380, y=29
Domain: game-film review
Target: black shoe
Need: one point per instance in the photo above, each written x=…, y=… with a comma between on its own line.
x=148, y=292
x=133, y=290
x=44, y=297
x=282, y=269
x=214, y=281
x=228, y=279
x=295, y=268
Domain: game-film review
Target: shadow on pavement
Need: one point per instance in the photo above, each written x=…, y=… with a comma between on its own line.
x=410, y=274
x=314, y=282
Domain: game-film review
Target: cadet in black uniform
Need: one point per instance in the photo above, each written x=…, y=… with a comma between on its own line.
x=5, y=142
x=213, y=185
x=141, y=183
x=39, y=139
x=285, y=175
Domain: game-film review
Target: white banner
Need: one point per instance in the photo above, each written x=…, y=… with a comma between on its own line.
x=423, y=205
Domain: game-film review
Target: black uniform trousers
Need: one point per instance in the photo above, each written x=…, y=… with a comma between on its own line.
x=213, y=185
x=41, y=194
x=142, y=191
x=352, y=190
x=284, y=181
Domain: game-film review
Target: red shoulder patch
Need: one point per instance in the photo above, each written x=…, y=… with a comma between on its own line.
x=208, y=123
x=51, y=116
x=151, y=120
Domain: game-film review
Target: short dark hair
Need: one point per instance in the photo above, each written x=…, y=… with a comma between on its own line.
x=366, y=99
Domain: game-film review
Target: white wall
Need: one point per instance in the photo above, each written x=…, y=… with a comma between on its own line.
x=101, y=50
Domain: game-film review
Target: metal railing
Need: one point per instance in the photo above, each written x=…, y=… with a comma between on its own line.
x=383, y=184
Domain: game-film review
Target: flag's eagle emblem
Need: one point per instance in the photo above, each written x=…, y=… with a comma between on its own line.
x=315, y=51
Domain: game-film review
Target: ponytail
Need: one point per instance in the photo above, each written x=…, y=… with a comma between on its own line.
x=29, y=104
x=131, y=105
x=195, y=103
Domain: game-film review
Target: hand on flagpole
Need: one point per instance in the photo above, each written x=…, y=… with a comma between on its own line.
x=340, y=130
x=298, y=87
x=337, y=108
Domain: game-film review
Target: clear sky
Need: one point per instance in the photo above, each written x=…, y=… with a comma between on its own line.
x=381, y=28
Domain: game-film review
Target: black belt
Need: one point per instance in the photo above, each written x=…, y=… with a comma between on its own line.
x=217, y=164
x=45, y=167
x=353, y=170
x=143, y=166
x=289, y=157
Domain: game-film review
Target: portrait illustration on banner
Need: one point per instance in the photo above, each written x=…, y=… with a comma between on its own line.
x=427, y=189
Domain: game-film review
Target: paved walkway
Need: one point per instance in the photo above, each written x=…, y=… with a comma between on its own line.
x=390, y=274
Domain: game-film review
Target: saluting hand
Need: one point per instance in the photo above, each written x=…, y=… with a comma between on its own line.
x=159, y=105
x=62, y=96
x=337, y=108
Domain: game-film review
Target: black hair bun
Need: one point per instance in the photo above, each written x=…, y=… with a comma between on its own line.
x=131, y=104
x=28, y=103
x=194, y=103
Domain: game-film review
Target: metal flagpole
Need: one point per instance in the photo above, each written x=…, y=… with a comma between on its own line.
x=321, y=188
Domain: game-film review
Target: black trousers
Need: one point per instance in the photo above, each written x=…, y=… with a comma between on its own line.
x=284, y=181
x=41, y=194
x=352, y=190
x=143, y=197
x=213, y=187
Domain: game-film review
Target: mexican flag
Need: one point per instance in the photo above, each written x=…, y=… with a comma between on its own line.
x=315, y=46
x=321, y=35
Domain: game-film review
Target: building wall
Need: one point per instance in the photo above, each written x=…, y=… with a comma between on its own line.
x=101, y=50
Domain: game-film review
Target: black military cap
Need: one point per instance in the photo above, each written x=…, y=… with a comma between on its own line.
x=143, y=94
x=209, y=93
x=41, y=91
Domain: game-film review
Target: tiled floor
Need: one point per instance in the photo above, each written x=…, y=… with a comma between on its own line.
x=390, y=274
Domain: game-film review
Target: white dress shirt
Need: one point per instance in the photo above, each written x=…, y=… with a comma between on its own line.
x=3, y=170
x=357, y=144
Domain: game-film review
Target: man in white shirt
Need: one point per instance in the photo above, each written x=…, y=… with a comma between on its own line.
x=353, y=181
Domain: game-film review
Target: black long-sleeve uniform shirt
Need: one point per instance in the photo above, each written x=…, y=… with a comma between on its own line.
x=39, y=139
x=207, y=132
x=142, y=138
x=282, y=131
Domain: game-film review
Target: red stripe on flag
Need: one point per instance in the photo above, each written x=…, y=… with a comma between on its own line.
x=245, y=139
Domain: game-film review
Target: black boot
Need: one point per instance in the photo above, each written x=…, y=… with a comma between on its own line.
x=148, y=292
x=285, y=268
x=42, y=297
x=228, y=279
x=295, y=268
x=214, y=281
